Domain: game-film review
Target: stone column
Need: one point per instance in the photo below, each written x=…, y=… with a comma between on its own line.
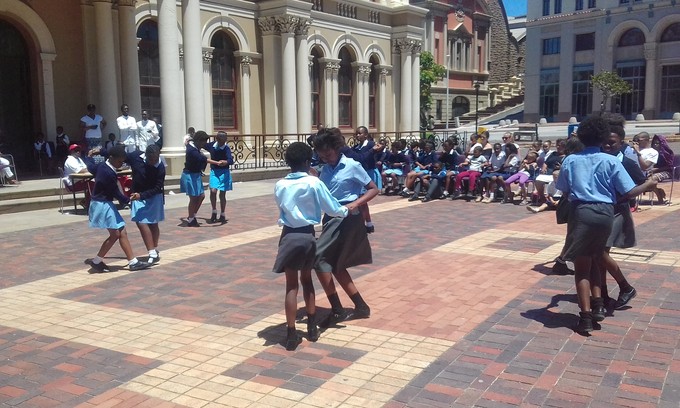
x=193, y=64
x=173, y=131
x=327, y=90
x=415, y=86
x=207, y=88
x=396, y=88
x=335, y=69
x=405, y=47
x=304, y=87
x=90, y=42
x=50, y=118
x=107, y=104
x=650, y=110
x=287, y=26
x=128, y=56
x=381, y=98
x=271, y=62
x=363, y=70
x=245, y=94
x=429, y=32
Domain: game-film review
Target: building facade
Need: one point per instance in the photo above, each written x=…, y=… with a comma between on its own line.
x=245, y=67
x=570, y=40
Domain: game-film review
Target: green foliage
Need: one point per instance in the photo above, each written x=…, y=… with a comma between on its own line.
x=430, y=72
x=609, y=84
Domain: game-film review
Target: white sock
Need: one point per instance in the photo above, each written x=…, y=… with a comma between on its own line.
x=132, y=261
x=190, y=219
x=153, y=253
x=214, y=211
x=97, y=260
x=369, y=224
x=222, y=215
x=491, y=196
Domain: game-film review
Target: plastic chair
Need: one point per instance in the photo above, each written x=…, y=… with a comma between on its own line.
x=675, y=175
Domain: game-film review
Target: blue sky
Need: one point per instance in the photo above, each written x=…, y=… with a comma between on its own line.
x=515, y=7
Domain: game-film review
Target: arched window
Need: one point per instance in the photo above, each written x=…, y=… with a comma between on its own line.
x=223, y=71
x=634, y=36
x=459, y=106
x=149, y=68
x=373, y=79
x=671, y=33
x=316, y=86
x=345, y=89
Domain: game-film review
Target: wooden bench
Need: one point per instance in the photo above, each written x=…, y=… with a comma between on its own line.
x=528, y=131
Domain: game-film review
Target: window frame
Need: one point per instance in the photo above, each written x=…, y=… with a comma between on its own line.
x=224, y=93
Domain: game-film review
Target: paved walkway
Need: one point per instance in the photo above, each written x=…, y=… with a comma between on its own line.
x=465, y=312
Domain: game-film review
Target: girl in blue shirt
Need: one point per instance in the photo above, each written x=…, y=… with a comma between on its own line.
x=343, y=243
x=220, y=176
x=300, y=198
x=591, y=179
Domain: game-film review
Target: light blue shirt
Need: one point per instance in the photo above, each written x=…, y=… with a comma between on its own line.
x=593, y=176
x=346, y=180
x=301, y=199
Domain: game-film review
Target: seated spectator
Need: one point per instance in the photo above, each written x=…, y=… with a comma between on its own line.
x=110, y=142
x=74, y=164
x=508, y=139
x=552, y=197
x=394, y=164
x=474, y=142
x=509, y=167
x=487, y=148
x=545, y=151
x=526, y=173
x=476, y=163
x=421, y=166
x=547, y=168
x=432, y=183
x=663, y=168
x=492, y=169
x=6, y=170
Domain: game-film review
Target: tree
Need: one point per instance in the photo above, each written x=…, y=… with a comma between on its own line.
x=610, y=85
x=430, y=72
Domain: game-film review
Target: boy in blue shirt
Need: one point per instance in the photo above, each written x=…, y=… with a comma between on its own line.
x=301, y=198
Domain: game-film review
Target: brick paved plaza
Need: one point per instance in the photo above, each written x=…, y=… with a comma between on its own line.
x=465, y=312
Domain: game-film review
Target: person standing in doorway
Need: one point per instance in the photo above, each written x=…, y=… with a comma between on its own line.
x=127, y=128
x=92, y=125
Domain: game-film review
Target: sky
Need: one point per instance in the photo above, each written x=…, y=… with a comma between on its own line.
x=515, y=7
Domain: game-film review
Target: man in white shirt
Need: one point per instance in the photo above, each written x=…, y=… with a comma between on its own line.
x=127, y=127
x=646, y=155
x=92, y=125
x=147, y=132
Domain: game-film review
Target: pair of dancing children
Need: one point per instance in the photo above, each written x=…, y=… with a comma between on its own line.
x=301, y=199
x=148, y=178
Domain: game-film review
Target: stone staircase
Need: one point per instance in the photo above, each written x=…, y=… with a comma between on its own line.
x=503, y=96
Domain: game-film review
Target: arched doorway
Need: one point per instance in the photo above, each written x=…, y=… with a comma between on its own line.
x=15, y=94
x=149, y=68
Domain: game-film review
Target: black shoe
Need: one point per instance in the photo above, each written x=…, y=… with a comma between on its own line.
x=427, y=199
x=561, y=269
x=624, y=298
x=154, y=259
x=333, y=318
x=405, y=194
x=455, y=195
x=359, y=313
x=414, y=197
x=312, y=332
x=213, y=218
x=598, y=312
x=193, y=223
x=292, y=340
x=139, y=266
x=585, y=323
x=100, y=267
x=223, y=219
x=370, y=229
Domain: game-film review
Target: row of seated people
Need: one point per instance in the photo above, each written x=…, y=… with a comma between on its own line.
x=489, y=169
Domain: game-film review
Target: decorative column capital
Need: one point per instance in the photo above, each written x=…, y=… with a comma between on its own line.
x=384, y=70
x=403, y=45
x=181, y=52
x=303, y=26
x=207, y=54
x=417, y=47
x=246, y=60
x=267, y=25
x=287, y=24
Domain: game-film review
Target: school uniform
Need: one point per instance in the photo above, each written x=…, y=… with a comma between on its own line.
x=301, y=198
x=220, y=177
x=591, y=180
x=393, y=159
x=149, y=181
x=427, y=160
x=363, y=153
x=103, y=213
x=194, y=164
x=343, y=243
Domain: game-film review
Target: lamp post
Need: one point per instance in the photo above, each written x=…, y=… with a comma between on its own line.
x=448, y=106
x=476, y=84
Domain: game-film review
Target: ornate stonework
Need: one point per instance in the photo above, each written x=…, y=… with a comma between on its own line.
x=287, y=24
x=303, y=27
x=267, y=25
x=207, y=55
x=417, y=47
x=332, y=67
x=181, y=53
x=403, y=45
x=245, y=60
